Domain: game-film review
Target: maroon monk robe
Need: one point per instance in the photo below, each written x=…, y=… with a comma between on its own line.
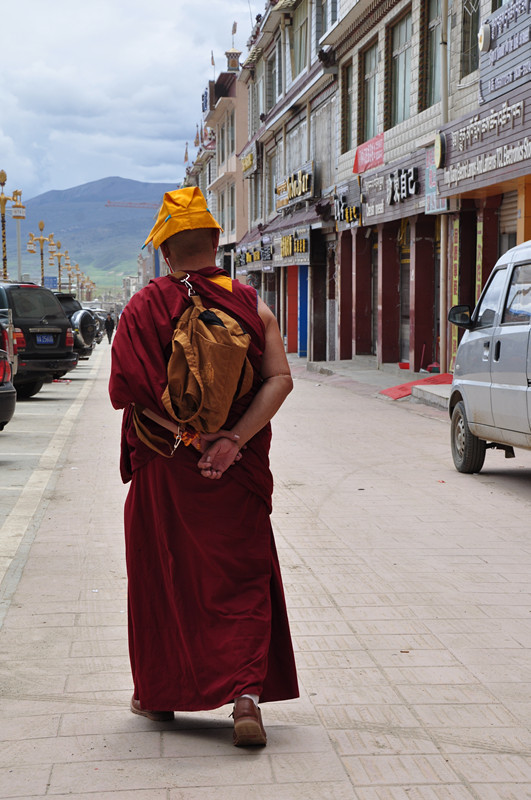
x=207, y=616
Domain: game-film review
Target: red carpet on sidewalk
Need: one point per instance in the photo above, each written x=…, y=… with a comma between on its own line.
x=404, y=389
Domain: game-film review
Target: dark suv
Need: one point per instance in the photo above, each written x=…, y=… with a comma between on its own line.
x=43, y=335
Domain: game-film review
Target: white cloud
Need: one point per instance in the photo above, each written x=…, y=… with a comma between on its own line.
x=111, y=87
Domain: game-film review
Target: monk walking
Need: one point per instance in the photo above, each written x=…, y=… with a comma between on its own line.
x=207, y=616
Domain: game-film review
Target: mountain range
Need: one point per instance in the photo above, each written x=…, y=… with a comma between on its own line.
x=103, y=225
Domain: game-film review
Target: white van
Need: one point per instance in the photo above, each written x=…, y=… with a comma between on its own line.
x=490, y=400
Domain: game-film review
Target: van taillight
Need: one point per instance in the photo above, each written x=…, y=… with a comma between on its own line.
x=20, y=341
x=69, y=338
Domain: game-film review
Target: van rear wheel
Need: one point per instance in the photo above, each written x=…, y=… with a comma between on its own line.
x=468, y=452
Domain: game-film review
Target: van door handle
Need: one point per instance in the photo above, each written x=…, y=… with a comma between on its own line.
x=497, y=350
x=486, y=348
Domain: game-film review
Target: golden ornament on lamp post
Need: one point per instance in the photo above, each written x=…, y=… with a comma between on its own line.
x=41, y=240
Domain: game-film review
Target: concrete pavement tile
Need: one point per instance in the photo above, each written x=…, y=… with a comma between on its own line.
x=492, y=767
x=386, y=627
x=399, y=770
x=105, y=721
x=326, y=643
x=86, y=633
x=332, y=659
x=355, y=694
x=310, y=628
x=316, y=615
x=366, y=742
x=95, y=647
x=480, y=641
x=515, y=740
x=22, y=620
x=24, y=781
x=452, y=792
x=503, y=791
x=415, y=658
x=162, y=773
x=400, y=641
x=346, y=680
x=502, y=673
x=298, y=767
x=277, y=791
x=508, y=656
x=76, y=749
x=472, y=693
x=18, y=705
x=29, y=727
x=357, y=717
x=102, y=619
x=389, y=612
x=467, y=715
x=213, y=741
x=107, y=682
x=431, y=675
x=148, y=794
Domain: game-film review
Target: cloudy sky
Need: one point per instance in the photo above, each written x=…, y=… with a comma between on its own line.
x=90, y=90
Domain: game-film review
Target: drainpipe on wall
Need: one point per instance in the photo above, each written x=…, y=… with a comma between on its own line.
x=443, y=290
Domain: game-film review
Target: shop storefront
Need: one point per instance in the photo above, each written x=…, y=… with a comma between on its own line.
x=484, y=159
x=394, y=260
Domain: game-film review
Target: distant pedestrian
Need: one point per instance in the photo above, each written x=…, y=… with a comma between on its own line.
x=109, y=327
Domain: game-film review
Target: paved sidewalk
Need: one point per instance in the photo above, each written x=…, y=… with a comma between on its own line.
x=408, y=591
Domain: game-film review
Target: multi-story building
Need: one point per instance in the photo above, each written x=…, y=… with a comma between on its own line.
x=217, y=170
x=385, y=153
x=289, y=163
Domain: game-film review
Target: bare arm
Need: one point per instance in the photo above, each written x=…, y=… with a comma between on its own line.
x=274, y=390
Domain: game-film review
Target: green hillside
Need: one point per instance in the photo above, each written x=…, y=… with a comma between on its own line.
x=102, y=224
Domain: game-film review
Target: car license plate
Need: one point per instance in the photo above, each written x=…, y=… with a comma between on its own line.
x=44, y=338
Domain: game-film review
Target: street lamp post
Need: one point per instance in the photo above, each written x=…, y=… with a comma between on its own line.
x=58, y=255
x=18, y=212
x=4, y=199
x=41, y=239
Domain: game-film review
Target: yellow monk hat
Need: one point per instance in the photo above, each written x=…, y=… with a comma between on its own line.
x=181, y=210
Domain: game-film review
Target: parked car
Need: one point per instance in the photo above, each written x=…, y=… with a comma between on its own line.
x=490, y=400
x=84, y=324
x=43, y=335
x=8, y=393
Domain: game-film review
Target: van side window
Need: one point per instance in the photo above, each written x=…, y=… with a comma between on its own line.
x=489, y=303
x=518, y=304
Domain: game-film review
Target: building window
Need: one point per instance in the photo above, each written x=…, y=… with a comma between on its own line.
x=433, y=71
x=271, y=183
x=469, y=38
x=347, y=108
x=326, y=16
x=221, y=145
x=221, y=210
x=256, y=99
x=232, y=134
x=274, y=75
x=369, y=93
x=256, y=197
x=400, y=70
x=299, y=39
x=232, y=208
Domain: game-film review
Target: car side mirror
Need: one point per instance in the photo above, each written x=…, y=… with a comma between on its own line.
x=461, y=316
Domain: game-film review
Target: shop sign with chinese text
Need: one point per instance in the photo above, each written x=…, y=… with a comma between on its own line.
x=296, y=187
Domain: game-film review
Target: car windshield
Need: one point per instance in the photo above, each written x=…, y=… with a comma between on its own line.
x=34, y=302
